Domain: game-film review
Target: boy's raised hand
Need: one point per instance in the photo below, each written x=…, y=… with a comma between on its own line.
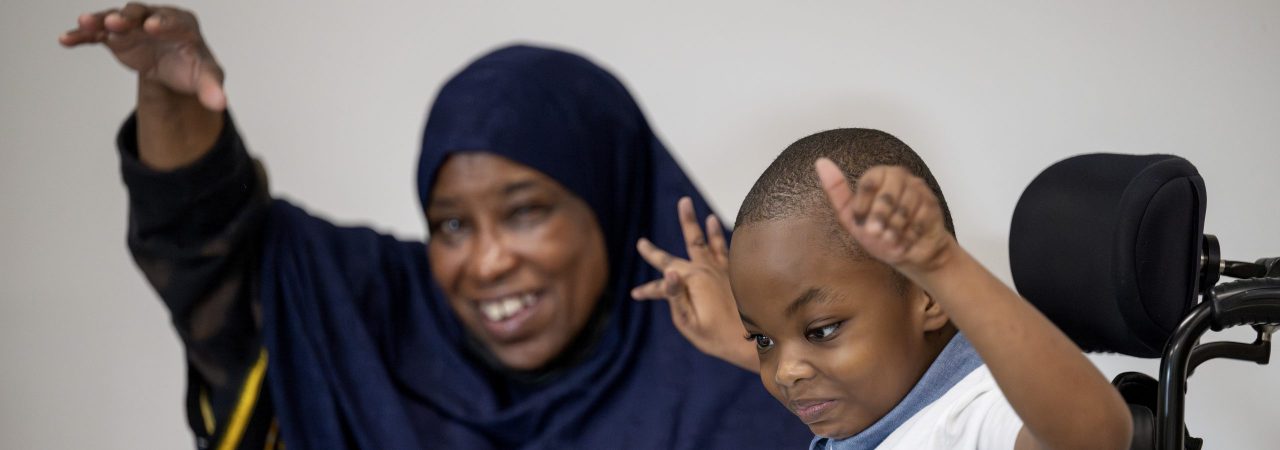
x=1062, y=399
x=697, y=289
x=892, y=214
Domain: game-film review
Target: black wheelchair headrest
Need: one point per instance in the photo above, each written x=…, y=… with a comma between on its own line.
x=1108, y=247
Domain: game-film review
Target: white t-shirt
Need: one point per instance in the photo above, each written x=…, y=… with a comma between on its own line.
x=972, y=415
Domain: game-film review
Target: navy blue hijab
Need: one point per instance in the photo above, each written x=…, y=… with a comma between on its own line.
x=364, y=351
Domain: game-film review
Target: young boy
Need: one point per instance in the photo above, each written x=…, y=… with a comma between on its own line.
x=878, y=330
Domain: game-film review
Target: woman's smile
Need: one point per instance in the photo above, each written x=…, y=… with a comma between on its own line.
x=511, y=317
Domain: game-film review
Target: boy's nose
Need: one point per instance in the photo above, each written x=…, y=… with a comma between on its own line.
x=791, y=370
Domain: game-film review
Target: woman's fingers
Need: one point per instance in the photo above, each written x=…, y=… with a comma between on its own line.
x=209, y=87
x=80, y=36
x=89, y=30
x=171, y=23
x=715, y=239
x=126, y=19
x=94, y=21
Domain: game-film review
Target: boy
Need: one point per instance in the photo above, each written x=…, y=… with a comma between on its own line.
x=873, y=325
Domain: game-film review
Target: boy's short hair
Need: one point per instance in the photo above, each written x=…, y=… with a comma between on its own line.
x=790, y=189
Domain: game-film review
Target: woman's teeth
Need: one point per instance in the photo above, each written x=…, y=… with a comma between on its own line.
x=503, y=308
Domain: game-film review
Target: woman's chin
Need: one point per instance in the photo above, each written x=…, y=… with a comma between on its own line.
x=528, y=355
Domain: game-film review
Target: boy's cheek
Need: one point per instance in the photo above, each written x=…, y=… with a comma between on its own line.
x=766, y=378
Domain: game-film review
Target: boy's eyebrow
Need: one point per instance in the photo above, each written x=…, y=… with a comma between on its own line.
x=812, y=295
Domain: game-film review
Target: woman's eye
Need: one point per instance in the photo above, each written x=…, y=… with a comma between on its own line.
x=823, y=333
x=762, y=342
x=448, y=227
x=527, y=214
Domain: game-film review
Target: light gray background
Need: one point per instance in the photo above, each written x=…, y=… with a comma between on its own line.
x=333, y=97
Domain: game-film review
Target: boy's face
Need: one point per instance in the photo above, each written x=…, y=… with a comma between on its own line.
x=840, y=341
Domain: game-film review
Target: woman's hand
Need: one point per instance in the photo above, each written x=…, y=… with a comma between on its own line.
x=180, y=95
x=702, y=305
x=162, y=44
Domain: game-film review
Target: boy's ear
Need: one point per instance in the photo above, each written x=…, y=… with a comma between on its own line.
x=931, y=315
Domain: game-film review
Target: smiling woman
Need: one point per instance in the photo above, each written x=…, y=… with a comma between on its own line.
x=521, y=259
x=511, y=328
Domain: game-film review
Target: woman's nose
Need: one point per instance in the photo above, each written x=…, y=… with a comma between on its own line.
x=792, y=369
x=493, y=258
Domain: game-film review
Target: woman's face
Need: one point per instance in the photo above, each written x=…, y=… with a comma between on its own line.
x=521, y=259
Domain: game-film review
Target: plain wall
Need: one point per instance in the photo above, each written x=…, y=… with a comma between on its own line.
x=332, y=96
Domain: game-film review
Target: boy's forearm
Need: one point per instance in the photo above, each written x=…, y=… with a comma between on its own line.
x=1063, y=400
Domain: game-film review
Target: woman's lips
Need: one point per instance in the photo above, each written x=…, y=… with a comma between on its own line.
x=506, y=318
x=810, y=411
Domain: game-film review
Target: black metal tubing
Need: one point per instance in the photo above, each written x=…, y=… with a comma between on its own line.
x=1259, y=351
x=1171, y=402
x=1244, y=302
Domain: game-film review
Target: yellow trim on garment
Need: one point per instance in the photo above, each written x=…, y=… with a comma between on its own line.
x=206, y=412
x=244, y=408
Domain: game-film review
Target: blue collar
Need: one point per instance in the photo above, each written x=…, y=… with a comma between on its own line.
x=954, y=363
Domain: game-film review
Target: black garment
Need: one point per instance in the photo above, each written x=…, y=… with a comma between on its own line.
x=196, y=234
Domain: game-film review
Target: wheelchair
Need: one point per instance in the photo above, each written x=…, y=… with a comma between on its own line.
x=1112, y=249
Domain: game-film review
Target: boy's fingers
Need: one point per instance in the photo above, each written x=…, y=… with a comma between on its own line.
x=884, y=201
x=904, y=211
x=868, y=187
x=655, y=256
x=673, y=285
x=715, y=237
x=652, y=290
x=836, y=186
x=694, y=241
x=678, y=298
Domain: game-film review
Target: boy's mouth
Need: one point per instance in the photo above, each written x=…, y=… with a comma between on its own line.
x=811, y=410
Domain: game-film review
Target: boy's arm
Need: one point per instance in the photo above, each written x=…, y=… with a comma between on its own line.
x=1062, y=399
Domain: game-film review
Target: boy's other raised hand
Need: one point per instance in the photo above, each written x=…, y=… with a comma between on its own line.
x=892, y=214
x=162, y=44
x=697, y=289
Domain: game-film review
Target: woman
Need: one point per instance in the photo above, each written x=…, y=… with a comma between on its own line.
x=511, y=328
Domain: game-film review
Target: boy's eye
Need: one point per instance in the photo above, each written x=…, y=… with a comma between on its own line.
x=824, y=332
x=762, y=342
